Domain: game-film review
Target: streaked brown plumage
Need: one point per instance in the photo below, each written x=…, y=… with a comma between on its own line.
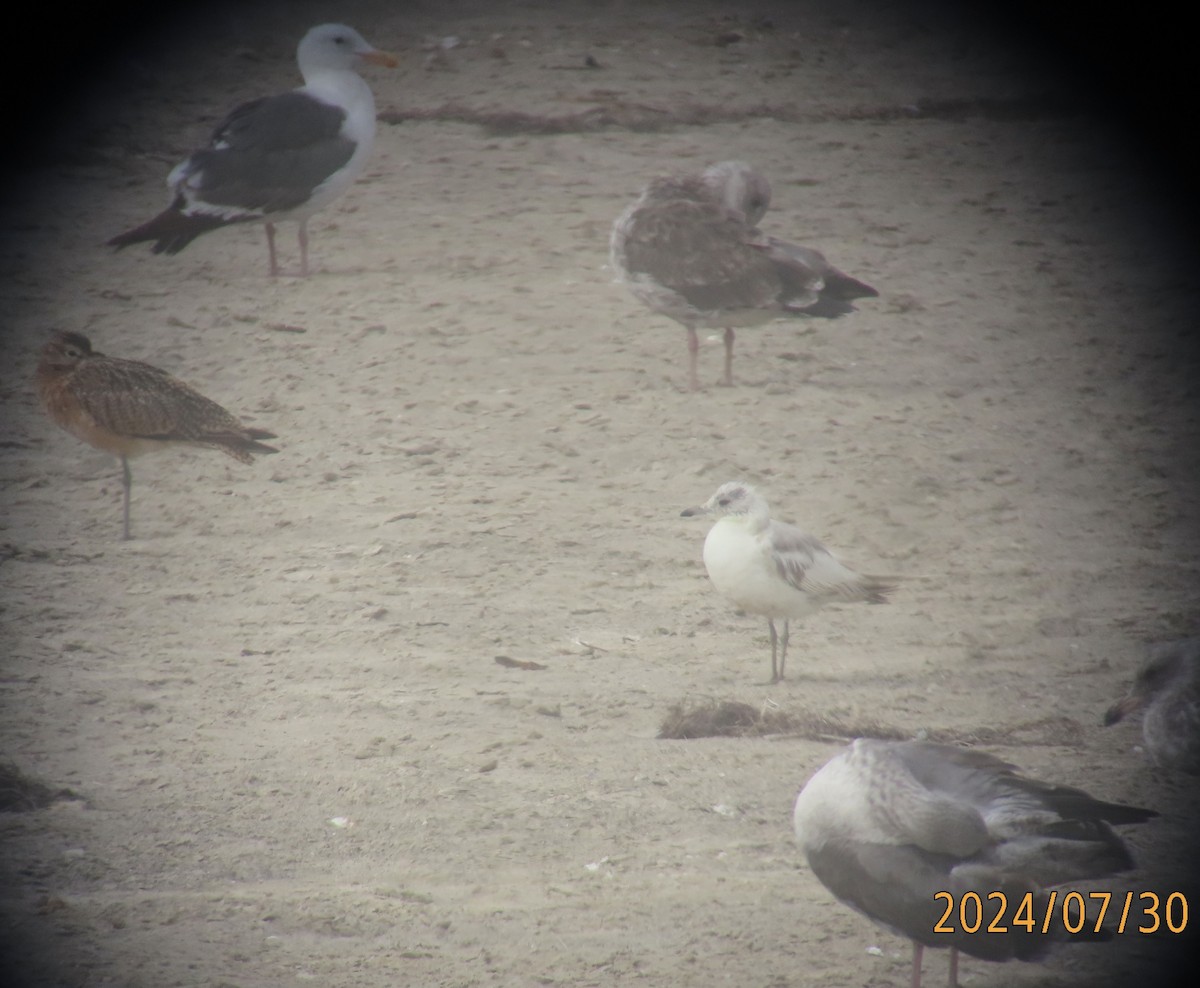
x=690, y=248
x=128, y=408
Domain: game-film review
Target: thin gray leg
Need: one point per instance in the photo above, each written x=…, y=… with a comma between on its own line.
x=728, y=379
x=127, y=483
x=693, y=349
x=271, y=249
x=303, y=238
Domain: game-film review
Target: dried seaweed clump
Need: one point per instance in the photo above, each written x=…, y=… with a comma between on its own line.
x=609, y=113
x=710, y=718
x=721, y=718
x=732, y=719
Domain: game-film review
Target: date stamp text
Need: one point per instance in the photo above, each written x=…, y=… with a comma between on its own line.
x=1068, y=912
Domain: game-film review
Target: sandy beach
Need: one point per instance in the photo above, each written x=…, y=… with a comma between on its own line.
x=383, y=709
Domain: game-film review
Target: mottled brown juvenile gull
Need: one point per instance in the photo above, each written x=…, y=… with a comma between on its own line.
x=128, y=408
x=279, y=157
x=689, y=248
x=775, y=569
x=888, y=825
x=1167, y=692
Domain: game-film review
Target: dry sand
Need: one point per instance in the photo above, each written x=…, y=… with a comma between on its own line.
x=291, y=754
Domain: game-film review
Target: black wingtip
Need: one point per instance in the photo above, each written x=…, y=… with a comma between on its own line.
x=170, y=231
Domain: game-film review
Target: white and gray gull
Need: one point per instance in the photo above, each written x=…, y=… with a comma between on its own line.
x=689, y=248
x=903, y=831
x=278, y=158
x=775, y=569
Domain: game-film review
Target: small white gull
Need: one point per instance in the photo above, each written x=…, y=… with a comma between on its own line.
x=689, y=248
x=775, y=569
x=886, y=826
x=278, y=158
x=1167, y=692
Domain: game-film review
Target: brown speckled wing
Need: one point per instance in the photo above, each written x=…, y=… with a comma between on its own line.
x=141, y=401
x=703, y=252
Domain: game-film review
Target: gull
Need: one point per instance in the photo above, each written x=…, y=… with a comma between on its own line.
x=689, y=248
x=888, y=825
x=128, y=408
x=1167, y=691
x=279, y=157
x=775, y=569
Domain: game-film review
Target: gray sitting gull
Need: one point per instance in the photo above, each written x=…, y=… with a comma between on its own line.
x=1167, y=692
x=887, y=825
x=775, y=569
x=280, y=157
x=689, y=248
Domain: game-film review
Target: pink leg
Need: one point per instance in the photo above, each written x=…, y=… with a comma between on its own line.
x=918, y=952
x=728, y=382
x=271, y=249
x=693, y=349
x=303, y=236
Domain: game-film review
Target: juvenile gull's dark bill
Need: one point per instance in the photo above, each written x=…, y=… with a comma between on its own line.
x=279, y=157
x=689, y=248
x=128, y=408
x=887, y=825
x=774, y=569
x=1166, y=692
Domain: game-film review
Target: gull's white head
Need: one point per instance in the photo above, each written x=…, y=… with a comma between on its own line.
x=329, y=47
x=740, y=188
x=732, y=499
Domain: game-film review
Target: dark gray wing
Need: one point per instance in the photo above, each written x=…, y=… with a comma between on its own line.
x=811, y=284
x=270, y=154
x=1049, y=833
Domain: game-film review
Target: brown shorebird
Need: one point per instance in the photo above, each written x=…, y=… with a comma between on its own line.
x=278, y=158
x=1167, y=691
x=690, y=248
x=901, y=830
x=128, y=408
x=775, y=569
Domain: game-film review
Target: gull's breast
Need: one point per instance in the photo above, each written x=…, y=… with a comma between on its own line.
x=740, y=565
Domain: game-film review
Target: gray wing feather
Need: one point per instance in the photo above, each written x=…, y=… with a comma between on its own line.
x=270, y=154
x=804, y=562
